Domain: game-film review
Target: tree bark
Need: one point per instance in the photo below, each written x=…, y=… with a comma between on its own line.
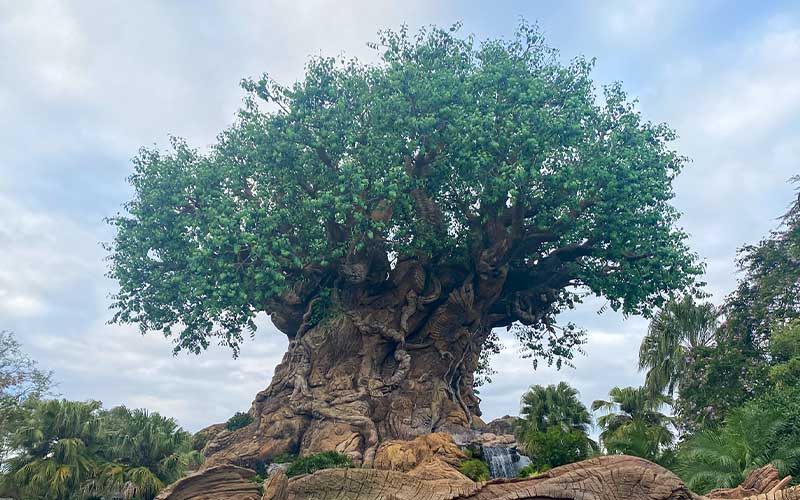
x=370, y=364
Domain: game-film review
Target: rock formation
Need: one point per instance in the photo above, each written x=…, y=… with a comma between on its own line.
x=222, y=482
x=603, y=478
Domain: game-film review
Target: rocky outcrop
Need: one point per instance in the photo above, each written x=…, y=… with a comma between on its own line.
x=503, y=425
x=404, y=456
x=603, y=478
x=766, y=479
x=223, y=482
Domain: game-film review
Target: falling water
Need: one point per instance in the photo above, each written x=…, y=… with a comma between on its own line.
x=503, y=461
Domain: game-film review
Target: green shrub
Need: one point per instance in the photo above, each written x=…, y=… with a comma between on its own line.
x=533, y=470
x=284, y=458
x=238, y=420
x=319, y=461
x=199, y=440
x=475, y=469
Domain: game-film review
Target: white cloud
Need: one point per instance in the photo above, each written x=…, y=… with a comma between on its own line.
x=43, y=255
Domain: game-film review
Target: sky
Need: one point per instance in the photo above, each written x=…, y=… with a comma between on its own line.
x=84, y=85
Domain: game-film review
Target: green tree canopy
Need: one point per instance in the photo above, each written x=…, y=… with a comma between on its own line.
x=633, y=423
x=676, y=330
x=553, y=405
x=554, y=426
x=71, y=450
x=768, y=295
x=447, y=150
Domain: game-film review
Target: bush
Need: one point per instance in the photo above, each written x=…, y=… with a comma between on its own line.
x=475, y=469
x=238, y=420
x=533, y=470
x=284, y=458
x=556, y=446
x=319, y=461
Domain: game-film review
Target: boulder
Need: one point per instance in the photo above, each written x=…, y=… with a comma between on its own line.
x=502, y=425
x=221, y=482
x=404, y=456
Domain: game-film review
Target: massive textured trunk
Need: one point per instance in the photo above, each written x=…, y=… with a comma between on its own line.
x=366, y=364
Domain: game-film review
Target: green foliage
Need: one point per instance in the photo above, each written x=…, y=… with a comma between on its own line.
x=633, y=423
x=557, y=446
x=554, y=405
x=495, y=131
x=284, y=458
x=22, y=382
x=751, y=437
x=152, y=450
x=319, y=461
x=238, y=420
x=554, y=425
x=676, y=330
x=475, y=469
x=73, y=450
x=784, y=350
x=718, y=379
x=532, y=470
x=57, y=445
x=767, y=295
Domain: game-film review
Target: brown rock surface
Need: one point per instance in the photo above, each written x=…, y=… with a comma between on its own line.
x=761, y=480
x=502, y=425
x=602, y=478
x=226, y=482
x=404, y=456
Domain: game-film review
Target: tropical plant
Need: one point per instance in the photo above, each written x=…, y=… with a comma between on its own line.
x=319, y=461
x=557, y=446
x=238, y=420
x=676, y=330
x=532, y=470
x=751, y=437
x=633, y=423
x=554, y=426
x=58, y=447
x=475, y=469
x=144, y=452
x=69, y=450
x=22, y=382
x=543, y=407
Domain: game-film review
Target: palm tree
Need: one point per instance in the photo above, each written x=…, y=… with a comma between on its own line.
x=679, y=328
x=57, y=449
x=144, y=452
x=554, y=414
x=543, y=407
x=633, y=423
x=750, y=438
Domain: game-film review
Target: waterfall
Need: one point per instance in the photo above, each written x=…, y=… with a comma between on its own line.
x=503, y=461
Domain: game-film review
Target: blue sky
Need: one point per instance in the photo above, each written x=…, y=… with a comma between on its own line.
x=84, y=84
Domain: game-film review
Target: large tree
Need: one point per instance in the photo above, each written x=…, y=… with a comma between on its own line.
x=387, y=217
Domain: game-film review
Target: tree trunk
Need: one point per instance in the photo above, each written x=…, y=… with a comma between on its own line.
x=363, y=368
